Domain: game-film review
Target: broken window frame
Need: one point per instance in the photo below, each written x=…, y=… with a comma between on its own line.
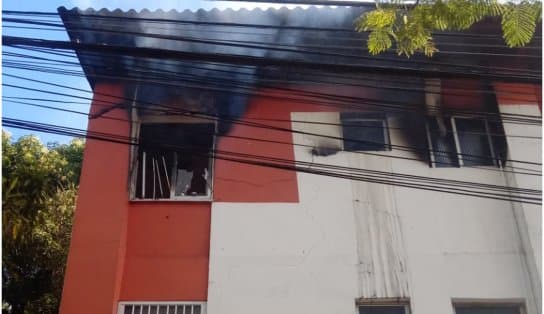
x=182, y=120
x=368, y=117
x=454, y=134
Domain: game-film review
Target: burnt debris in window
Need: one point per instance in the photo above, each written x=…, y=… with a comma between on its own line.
x=174, y=160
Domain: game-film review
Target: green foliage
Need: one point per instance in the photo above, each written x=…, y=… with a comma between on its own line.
x=39, y=186
x=410, y=27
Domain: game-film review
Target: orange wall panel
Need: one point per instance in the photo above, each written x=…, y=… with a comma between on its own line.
x=167, y=251
x=93, y=271
x=518, y=94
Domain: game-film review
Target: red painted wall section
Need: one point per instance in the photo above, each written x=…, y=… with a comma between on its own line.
x=237, y=182
x=518, y=94
x=167, y=252
x=94, y=268
x=462, y=94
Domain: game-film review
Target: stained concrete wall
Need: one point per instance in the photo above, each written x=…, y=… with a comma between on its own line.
x=346, y=240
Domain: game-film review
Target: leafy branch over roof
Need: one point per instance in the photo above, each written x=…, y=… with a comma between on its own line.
x=409, y=27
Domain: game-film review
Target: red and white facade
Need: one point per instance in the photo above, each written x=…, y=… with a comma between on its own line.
x=277, y=241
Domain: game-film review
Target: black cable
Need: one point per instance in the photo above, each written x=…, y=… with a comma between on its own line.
x=389, y=80
x=262, y=46
x=238, y=121
x=257, y=61
x=344, y=99
x=15, y=100
x=265, y=140
x=84, y=14
x=288, y=165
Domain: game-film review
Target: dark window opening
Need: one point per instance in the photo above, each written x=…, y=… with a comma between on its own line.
x=174, y=161
x=365, y=132
x=444, y=153
x=463, y=141
x=383, y=309
x=487, y=309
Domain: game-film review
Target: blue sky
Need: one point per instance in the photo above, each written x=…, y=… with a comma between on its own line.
x=25, y=112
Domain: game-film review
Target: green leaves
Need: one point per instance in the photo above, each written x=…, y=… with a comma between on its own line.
x=378, y=41
x=409, y=28
x=39, y=187
x=519, y=23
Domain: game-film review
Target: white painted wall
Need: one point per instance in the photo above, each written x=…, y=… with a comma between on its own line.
x=347, y=240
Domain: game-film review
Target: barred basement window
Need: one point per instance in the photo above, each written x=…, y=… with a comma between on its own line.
x=162, y=308
x=369, y=130
x=174, y=161
x=457, y=142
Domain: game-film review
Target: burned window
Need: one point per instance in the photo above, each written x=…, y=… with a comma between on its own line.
x=174, y=161
x=365, y=132
x=460, y=141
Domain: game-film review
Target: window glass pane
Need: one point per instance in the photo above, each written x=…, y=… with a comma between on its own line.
x=510, y=309
x=128, y=309
x=380, y=309
x=443, y=145
x=474, y=142
x=364, y=132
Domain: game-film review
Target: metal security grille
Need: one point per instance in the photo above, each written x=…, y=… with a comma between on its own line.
x=162, y=308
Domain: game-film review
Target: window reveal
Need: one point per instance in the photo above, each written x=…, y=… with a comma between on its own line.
x=174, y=161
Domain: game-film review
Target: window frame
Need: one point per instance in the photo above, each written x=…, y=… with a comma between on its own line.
x=122, y=304
x=479, y=303
x=372, y=117
x=458, y=152
x=181, y=120
x=362, y=302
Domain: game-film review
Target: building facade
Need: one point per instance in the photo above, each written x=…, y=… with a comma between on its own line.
x=233, y=203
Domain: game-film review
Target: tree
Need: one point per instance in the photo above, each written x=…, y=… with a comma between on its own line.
x=39, y=188
x=410, y=27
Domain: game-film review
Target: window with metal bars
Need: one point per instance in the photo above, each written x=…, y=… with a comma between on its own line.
x=162, y=308
x=174, y=161
x=365, y=131
x=462, y=141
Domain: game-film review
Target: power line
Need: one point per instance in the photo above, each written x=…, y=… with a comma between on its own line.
x=270, y=141
x=374, y=176
x=241, y=122
x=256, y=61
x=271, y=47
x=334, y=100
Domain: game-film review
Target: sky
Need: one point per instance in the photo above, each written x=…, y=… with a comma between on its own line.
x=59, y=118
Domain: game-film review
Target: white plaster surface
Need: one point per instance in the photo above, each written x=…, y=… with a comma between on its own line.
x=346, y=240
